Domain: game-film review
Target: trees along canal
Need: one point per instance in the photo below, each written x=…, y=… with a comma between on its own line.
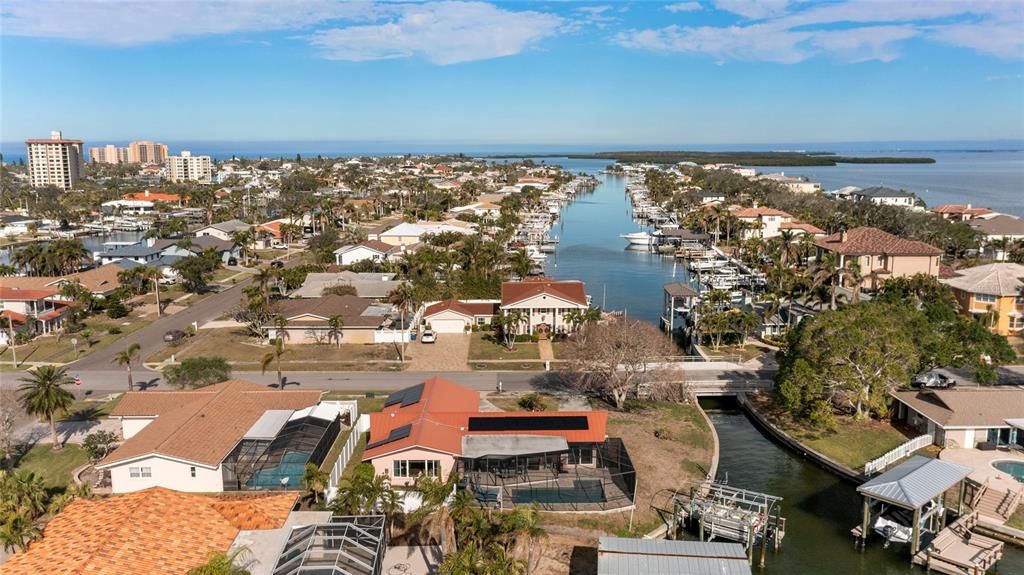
x=848, y=359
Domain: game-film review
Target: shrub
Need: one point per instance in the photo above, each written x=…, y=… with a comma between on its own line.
x=532, y=402
x=99, y=444
x=196, y=372
x=663, y=433
x=114, y=330
x=116, y=309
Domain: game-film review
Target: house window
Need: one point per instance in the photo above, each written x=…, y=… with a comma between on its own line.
x=140, y=472
x=192, y=471
x=984, y=298
x=581, y=455
x=400, y=468
x=416, y=467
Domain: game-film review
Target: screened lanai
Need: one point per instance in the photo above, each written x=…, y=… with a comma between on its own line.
x=275, y=450
x=347, y=545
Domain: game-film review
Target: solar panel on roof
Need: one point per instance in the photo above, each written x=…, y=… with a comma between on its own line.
x=396, y=434
x=406, y=397
x=539, y=423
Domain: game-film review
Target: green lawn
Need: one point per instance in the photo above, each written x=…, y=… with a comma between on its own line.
x=509, y=366
x=483, y=346
x=54, y=467
x=1017, y=519
x=853, y=443
x=367, y=404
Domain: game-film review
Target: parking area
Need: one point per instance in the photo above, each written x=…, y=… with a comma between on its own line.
x=448, y=353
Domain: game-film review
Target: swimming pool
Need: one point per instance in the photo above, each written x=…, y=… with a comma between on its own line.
x=1014, y=468
x=582, y=491
x=292, y=466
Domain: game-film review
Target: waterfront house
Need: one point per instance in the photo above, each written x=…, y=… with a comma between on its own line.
x=760, y=222
x=1001, y=228
x=960, y=212
x=881, y=255
x=235, y=435
x=544, y=304
x=992, y=293
x=140, y=253
x=964, y=416
x=795, y=185
x=156, y=531
x=100, y=281
x=406, y=234
x=436, y=427
x=372, y=250
x=222, y=230
x=14, y=225
x=459, y=316
x=367, y=285
x=32, y=311
x=309, y=320
x=883, y=196
x=483, y=209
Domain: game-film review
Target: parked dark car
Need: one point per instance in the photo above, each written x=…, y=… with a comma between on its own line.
x=173, y=336
x=933, y=380
x=232, y=261
x=277, y=264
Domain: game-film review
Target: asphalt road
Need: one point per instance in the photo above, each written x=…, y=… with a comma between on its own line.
x=103, y=381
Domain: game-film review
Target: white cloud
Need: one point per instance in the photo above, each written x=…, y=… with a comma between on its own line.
x=854, y=30
x=753, y=9
x=132, y=22
x=684, y=7
x=1001, y=77
x=443, y=33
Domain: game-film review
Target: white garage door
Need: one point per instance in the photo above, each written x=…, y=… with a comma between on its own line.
x=448, y=325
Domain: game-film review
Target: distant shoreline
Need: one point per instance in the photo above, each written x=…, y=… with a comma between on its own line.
x=743, y=158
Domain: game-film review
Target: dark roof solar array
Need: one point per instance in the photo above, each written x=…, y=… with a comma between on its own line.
x=396, y=434
x=541, y=423
x=407, y=396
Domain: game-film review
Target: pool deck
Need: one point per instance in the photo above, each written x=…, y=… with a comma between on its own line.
x=981, y=464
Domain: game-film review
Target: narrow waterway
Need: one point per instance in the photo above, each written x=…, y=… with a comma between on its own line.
x=820, y=509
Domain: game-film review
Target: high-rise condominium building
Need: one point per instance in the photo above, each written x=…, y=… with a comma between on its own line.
x=109, y=154
x=146, y=152
x=187, y=167
x=55, y=162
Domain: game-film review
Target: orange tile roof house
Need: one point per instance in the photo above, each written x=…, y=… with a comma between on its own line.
x=960, y=212
x=436, y=427
x=762, y=222
x=156, y=531
x=458, y=316
x=545, y=303
x=881, y=255
x=226, y=436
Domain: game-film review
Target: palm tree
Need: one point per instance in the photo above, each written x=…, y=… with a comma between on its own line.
x=17, y=531
x=221, y=563
x=787, y=248
x=315, y=480
x=521, y=263
x=244, y=240
x=334, y=328
x=125, y=358
x=274, y=355
x=43, y=395
x=527, y=524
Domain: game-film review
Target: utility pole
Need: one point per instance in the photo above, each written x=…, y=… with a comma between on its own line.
x=10, y=330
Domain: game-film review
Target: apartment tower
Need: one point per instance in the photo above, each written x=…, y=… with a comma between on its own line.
x=109, y=154
x=146, y=152
x=189, y=168
x=55, y=162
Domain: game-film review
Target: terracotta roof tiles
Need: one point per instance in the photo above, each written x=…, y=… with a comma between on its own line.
x=862, y=241
x=515, y=292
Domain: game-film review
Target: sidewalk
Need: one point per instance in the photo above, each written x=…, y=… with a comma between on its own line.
x=547, y=351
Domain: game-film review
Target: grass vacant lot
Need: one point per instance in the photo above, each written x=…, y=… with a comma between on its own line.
x=54, y=467
x=483, y=346
x=510, y=402
x=744, y=352
x=853, y=443
x=669, y=444
x=58, y=348
x=238, y=348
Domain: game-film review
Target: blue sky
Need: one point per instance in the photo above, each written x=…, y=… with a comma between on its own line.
x=557, y=72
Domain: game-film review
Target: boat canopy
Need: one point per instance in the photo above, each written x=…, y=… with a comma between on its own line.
x=914, y=482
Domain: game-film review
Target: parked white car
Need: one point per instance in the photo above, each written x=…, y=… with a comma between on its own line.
x=428, y=336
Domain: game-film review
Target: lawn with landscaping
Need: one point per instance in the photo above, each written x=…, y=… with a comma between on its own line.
x=99, y=331
x=54, y=467
x=91, y=409
x=852, y=443
x=1017, y=519
x=483, y=346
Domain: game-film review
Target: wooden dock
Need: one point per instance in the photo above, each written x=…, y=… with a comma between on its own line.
x=956, y=550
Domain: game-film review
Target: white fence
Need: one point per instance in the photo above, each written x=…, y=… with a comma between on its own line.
x=876, y=465
x=361, y=426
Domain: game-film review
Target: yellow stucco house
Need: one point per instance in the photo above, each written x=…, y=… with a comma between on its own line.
x=993, y=292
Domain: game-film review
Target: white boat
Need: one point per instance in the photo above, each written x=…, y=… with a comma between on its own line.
x=638, y=238
x=708, y=264
x=892, y=531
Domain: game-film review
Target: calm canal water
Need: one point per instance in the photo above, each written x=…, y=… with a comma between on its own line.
x=820, y=509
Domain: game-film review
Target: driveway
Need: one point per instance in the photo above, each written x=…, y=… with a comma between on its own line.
x=67, y=431
x=449, y=353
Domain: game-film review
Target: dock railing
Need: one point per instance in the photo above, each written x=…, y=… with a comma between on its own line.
x=876, y=465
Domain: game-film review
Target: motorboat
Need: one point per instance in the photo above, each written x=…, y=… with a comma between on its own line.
x=708, y=264
x=892, y=531
x=638, y=238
